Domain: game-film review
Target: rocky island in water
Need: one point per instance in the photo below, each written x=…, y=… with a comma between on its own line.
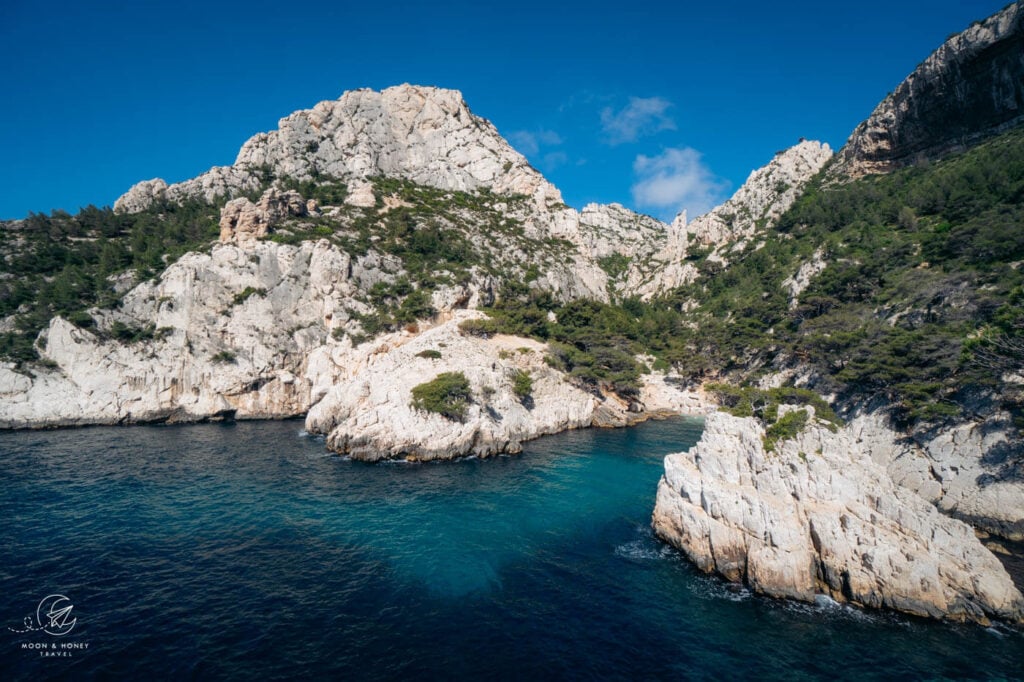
x=389, y=267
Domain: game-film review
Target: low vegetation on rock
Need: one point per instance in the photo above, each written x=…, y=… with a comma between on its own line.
x=448, y=395
x=522, y=384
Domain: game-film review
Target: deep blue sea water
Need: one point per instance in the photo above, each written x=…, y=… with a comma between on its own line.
x=245, y=551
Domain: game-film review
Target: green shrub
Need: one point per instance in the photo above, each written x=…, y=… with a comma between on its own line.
x=82, y=320
x=429, y=354
x=522, y=384
x=786, y=428
x=224, y=356
x=131, y=334
x=747, y=401
x=614, y=265
x=485, y=328
x=245, y=293
x=448, y=395
x=416, y=306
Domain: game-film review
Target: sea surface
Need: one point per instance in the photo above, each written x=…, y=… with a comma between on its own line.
x=246, y=551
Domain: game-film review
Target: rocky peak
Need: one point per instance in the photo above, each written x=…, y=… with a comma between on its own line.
x=763, y=198
x=755, y=207
x=424, y=134
x=971, y=87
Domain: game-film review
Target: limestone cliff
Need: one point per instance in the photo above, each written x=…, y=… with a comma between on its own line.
x=971, y=87
x=433, y=203
x=968, y=469
x=368, y=413
x=818, y=516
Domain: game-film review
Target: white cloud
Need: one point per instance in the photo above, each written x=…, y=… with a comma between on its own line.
x=553, y=160
x=676, y=179
x=529, y=142
x=642, y=116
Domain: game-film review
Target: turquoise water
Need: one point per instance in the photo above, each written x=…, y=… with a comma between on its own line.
x=246, y=551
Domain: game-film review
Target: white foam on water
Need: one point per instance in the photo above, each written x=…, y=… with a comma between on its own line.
x=714, y=588
x=639, y=550
x=825, y=605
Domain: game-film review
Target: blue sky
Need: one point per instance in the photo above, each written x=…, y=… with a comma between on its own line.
x=658, y=106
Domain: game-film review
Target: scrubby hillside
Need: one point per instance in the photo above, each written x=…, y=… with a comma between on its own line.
x=906, y=286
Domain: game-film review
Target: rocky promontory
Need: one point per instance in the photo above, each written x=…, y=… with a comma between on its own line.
x=816, y=516
x=370, y=414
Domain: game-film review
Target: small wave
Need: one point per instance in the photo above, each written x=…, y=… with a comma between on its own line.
x=825, y=601
x=639, y=550
x=713, y=588
x=825, y=605
x=1002, y=631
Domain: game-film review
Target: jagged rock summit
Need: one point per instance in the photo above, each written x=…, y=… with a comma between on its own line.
x=969, y=88
x=764, y=197
x=424, y=134
x=755, y=207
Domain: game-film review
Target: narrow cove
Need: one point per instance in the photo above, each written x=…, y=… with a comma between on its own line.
x=227, y=551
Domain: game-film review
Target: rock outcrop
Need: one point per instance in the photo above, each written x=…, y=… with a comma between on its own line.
x=817, y=516
x=231, y=332
x=969, y=470
x=141, y=196
x=259, y=329
x=969, y=88
x=370, y=415
x=242, y=221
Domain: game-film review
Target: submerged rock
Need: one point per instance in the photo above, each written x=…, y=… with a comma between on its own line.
x=818, y=516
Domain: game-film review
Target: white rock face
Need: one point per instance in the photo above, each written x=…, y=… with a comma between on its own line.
x=970, y=470
x=763, y=198
x=970, y=87
x=753, y=209
x=141, y=196
x=246, y=331
x=820, y=517
x=215, y=350
x=243, y=222
x=427, y=135
x=801, y=279
x=369, y=413
x=361, y=194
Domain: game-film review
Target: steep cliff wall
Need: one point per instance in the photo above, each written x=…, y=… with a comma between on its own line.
x=971, y=87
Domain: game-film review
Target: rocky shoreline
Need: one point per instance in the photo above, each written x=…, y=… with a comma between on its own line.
x=818, y=516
